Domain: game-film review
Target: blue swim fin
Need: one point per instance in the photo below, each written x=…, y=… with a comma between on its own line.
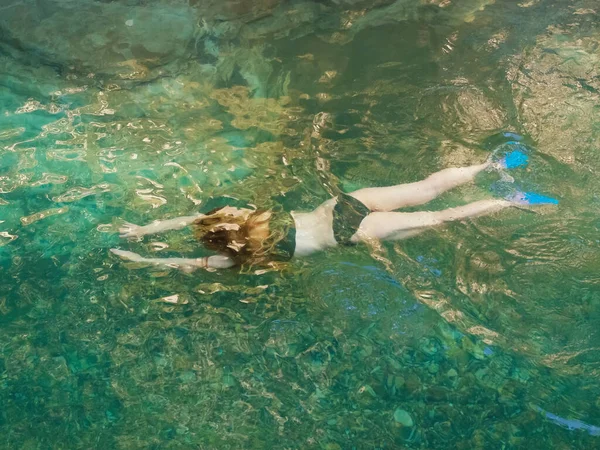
x=532, y=198
x=510, y=158
x=514, y=159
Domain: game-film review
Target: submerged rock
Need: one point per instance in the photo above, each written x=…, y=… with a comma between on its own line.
x=403, y=418
x=115, y=38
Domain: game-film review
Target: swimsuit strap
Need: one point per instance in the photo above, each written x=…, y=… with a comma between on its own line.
x=283, y=249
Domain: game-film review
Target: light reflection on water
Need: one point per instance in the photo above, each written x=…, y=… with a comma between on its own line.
x=483, y=332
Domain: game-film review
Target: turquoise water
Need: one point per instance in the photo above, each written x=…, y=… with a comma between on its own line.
x=480, y=335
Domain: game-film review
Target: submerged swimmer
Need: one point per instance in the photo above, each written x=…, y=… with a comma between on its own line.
x=244, y=235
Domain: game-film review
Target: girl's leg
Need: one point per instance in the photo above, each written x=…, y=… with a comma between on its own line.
x=411, y=194
x=397, y=225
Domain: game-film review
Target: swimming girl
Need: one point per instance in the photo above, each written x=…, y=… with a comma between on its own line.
x=245, y=235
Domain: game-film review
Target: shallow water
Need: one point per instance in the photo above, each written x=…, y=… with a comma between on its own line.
x=482, y=334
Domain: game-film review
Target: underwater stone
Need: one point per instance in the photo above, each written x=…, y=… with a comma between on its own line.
x=395, y=381
x=395, y=364
x=413, y=382
x=333, y=446
x=187, y=376
x=398, y=381
x=522, y=375
x=433, y=368
x=365, y=352
x=428, y=346
x=481, y=373
x=229, y=380
x=403, y=418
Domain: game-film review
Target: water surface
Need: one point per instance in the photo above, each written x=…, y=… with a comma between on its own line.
x=482, y=334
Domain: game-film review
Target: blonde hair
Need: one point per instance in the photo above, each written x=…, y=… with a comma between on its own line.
x=241, y=234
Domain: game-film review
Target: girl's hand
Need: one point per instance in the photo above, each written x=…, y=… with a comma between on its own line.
x=128, y=256
x=131, y=231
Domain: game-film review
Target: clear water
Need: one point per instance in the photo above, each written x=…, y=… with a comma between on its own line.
x=480, y=335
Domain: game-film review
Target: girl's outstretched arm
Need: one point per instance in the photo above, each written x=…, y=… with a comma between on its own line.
x=130, y=230
x=185, y=264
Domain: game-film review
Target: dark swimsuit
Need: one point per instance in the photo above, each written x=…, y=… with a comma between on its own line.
x=348, y=213
x=347, y=216
x=283, y=250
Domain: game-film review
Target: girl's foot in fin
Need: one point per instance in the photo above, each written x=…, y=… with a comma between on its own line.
x=531, y=199
x=508, y=151
x=510, y=155
x=513, y=159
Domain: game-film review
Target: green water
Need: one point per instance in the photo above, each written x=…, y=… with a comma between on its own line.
x=480, y=335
